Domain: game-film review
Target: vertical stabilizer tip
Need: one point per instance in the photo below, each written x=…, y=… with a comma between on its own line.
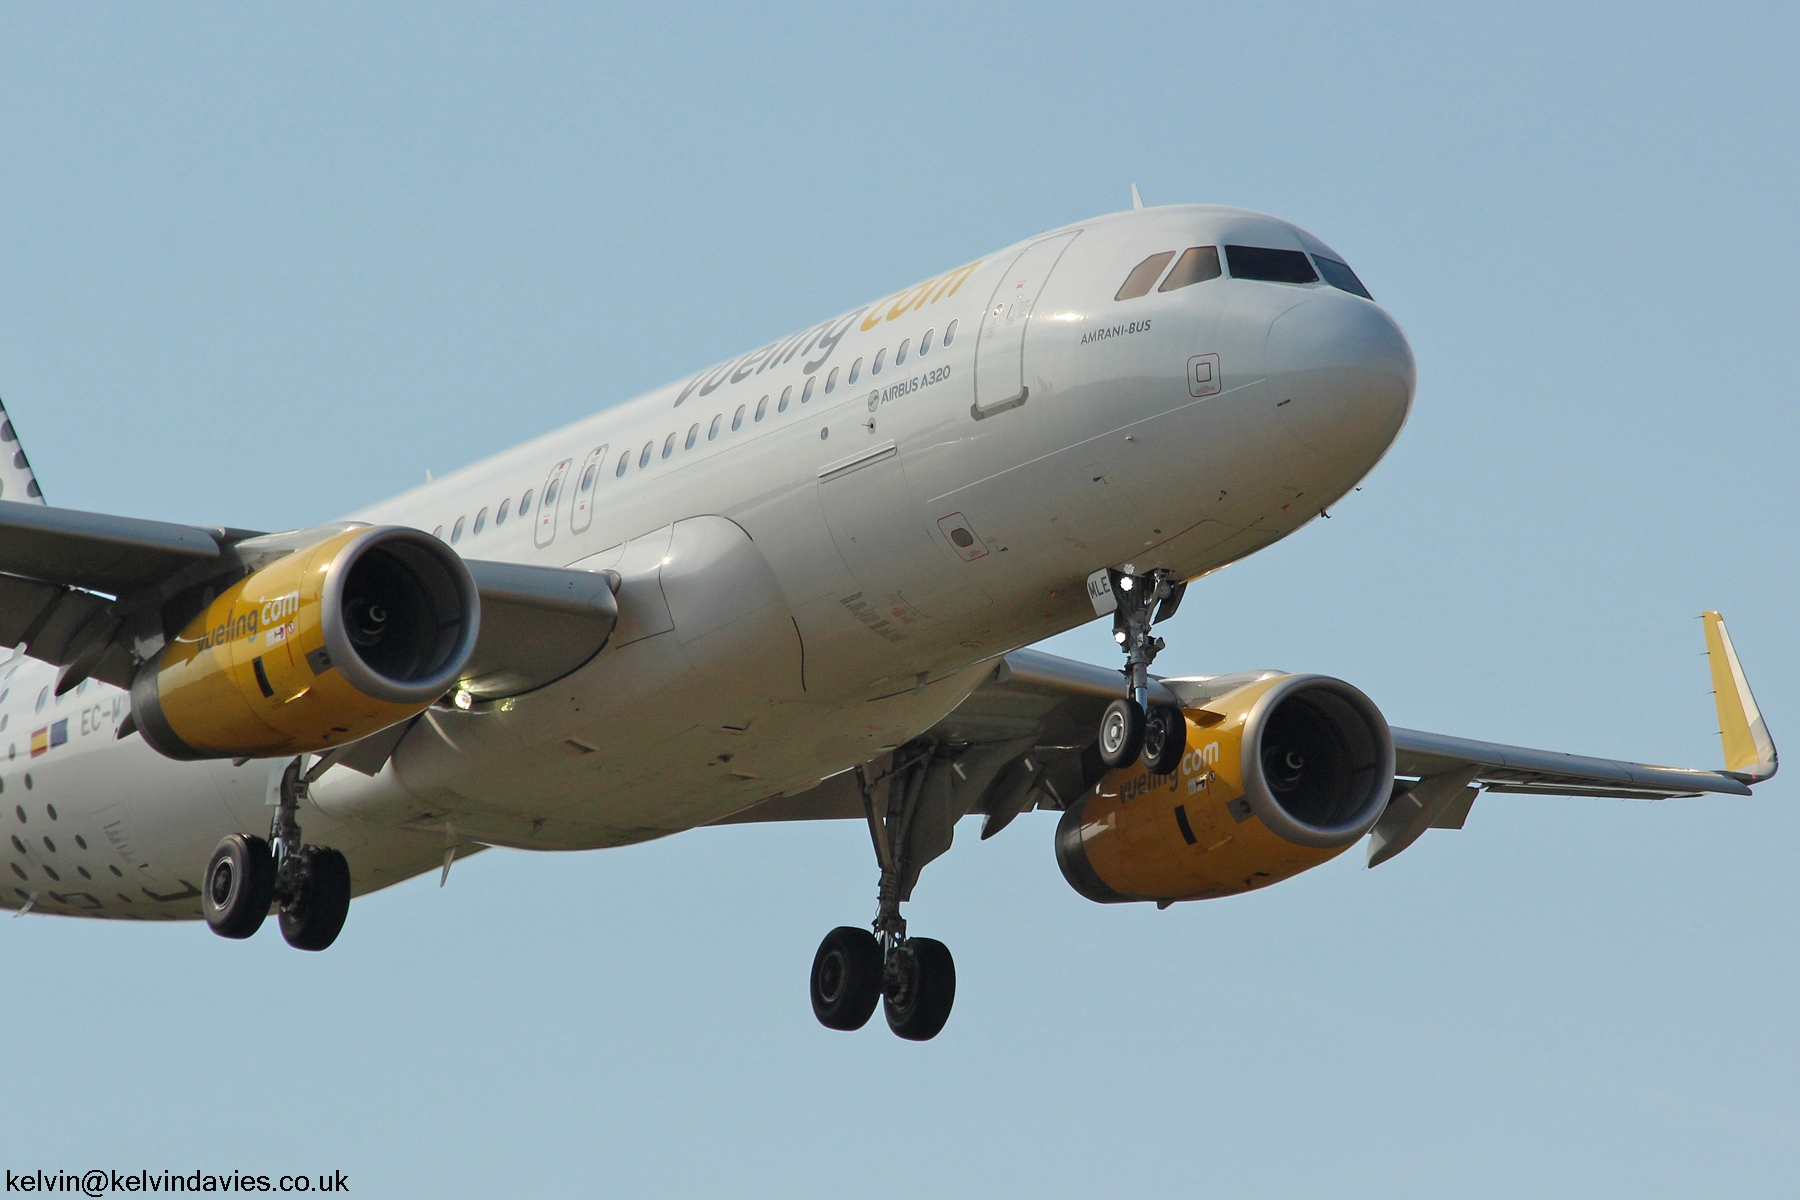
x=1137, y=201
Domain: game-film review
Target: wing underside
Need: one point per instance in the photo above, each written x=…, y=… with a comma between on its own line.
x=1041, y=713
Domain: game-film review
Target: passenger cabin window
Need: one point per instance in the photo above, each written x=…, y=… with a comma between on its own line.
x=1143, y=277
x=644, y=456
x=525, y=502
x=1340, y=276
x=713, y=431
x=587, y=479
x=925, y=343
x=669, y=446
x=505, y=511
x=624, y=461
x=762, y=406
x=806, y=392
x=855, y=370
x=456, y=531
x=481, y=520
x=1197, y=264
x=831, y=382
x=1270, y=266
x=900, y=354
x=438, y=533
x=949, y=333
x=692, y=437
x=737, y=418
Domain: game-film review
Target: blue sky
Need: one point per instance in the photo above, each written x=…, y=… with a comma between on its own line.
x=259, y=267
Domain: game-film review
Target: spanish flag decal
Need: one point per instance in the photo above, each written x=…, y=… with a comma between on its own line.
x=49, y=737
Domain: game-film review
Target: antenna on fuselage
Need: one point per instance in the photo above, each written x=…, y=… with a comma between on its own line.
x=1137, y=201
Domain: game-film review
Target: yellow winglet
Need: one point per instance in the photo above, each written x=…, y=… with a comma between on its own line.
x=1749, y=751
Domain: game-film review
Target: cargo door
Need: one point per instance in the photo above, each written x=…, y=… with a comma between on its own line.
x=885, y=544
x=1000, y=351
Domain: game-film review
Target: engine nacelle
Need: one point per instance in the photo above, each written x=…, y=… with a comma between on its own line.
x=1280, y=776
x=321, y=647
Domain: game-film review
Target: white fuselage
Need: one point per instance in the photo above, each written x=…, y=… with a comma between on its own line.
x=804, y=584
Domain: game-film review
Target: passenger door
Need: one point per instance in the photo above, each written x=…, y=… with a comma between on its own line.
x=1000, y=351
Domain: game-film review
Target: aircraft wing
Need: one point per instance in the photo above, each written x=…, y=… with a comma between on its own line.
x=1045, y=711
x=71, y=581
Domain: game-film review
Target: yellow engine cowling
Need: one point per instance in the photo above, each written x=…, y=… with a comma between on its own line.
x=1280, y=776
x=321, y=647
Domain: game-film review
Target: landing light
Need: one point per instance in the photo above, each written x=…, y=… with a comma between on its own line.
x=464, y=699
x=1119, y=636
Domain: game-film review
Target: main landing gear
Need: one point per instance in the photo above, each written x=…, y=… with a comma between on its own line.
x=1131, y=726
x=913, y=978
x=247, y=875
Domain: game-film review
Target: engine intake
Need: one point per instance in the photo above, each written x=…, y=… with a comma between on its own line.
x=1280, y=776
x=1318, y=761
x=321, y=647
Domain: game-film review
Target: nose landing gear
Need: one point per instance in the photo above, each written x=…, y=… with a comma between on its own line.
x=1131, y=726
x=913, y=978
x=310, y=884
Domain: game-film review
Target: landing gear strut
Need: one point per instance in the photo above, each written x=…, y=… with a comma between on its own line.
x=914, y=978
x=311, y=884
x=1132, y=726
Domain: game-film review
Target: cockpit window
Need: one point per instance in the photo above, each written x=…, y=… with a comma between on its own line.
x=1143, y=276
x=1196, y=265
x=1340, y=276
x=1271, y=266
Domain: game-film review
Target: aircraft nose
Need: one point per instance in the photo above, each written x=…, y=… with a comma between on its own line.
x=1343, y=376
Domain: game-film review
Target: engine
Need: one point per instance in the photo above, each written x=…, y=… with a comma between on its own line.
x=1280, y=775
x=323, y=646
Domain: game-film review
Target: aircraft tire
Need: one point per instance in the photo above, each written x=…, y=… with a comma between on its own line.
x=846, y=978
x=314, y=920
x=240, y=886
x=927, y=991
x=1121, y=733
x=1165, y=739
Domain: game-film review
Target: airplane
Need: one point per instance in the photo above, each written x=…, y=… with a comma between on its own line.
x=801, y=584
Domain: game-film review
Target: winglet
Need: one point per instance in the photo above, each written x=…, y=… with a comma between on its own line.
x=1749, y=751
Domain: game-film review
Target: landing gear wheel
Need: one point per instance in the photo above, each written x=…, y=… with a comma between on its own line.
x=846, y=978
x=1121, y=733
x=1165, y=739
x=240, y=886
x=311, y=920
x=920, y=990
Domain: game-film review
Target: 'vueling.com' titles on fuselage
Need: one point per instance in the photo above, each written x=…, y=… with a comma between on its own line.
x=825, y=336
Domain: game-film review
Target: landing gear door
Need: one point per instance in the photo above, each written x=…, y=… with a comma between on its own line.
x=1000, y=351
